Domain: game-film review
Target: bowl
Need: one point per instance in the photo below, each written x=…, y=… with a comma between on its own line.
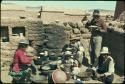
x=46, y=68
x=44, y=58
x=53, y=58
x=38, y=61
x=53, y=66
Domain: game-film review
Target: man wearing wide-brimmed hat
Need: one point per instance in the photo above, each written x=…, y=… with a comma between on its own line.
x=105, y=67
x=98, y=28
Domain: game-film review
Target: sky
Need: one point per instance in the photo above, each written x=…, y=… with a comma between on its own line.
x=109, y=5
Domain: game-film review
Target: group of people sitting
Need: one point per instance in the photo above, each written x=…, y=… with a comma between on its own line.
x=72, y=61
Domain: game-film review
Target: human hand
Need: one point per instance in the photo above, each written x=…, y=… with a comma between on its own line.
x=99, y=75
x=34, y=57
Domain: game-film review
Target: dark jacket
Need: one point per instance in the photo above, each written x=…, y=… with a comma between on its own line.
x=97, y=22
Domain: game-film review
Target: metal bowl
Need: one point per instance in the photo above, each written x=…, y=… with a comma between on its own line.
x=38, y=61
x=46, y=68
x=53, y=58
x=44, y=58
x=53, y=66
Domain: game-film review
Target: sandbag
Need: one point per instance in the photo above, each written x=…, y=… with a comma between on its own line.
x=84, y=30
x=79, y=24
x=73, y=25
x=76, y=31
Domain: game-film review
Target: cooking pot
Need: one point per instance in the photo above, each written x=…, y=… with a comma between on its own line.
x=44, y=58
x=53, y=66
x=38, y=61
x=53, y=57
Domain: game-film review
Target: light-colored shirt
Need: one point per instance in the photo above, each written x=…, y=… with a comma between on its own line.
x=111, y=69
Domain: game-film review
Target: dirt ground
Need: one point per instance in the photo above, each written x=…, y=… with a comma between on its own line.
x=7, y=79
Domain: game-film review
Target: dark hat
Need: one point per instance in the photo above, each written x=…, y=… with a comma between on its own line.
x=96, y=12
x=24, y=41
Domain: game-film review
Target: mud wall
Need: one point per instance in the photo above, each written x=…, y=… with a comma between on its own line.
x=33, y=30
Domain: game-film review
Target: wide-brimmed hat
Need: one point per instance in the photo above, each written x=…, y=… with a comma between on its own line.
x=105, y=50
x=96, y=12
x=24, y=41
x=69, y=53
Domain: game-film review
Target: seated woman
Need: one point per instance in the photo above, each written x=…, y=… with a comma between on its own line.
x=21, y=60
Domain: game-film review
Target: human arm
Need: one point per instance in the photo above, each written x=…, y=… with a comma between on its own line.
x=103, y=26
x=25, y=59
x=88, y=24
x=111, y=69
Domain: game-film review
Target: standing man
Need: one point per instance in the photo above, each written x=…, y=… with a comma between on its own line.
x=97, y=27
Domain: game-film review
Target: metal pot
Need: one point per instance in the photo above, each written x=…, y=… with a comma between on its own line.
x=44, y=58
x=53, y=66
x=53, y=58
x=38, y=61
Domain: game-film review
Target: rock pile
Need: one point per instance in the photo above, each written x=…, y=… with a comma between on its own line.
x=55, y=38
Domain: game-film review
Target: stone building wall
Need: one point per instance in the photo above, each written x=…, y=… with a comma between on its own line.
x=57, y=36
x=33, y=31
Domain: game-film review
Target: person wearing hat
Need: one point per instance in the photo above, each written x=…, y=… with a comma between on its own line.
x=98, y=28
x=67, y=54
x=69, y=64
x=21, y=60
x=105, y=68
x=76, y=47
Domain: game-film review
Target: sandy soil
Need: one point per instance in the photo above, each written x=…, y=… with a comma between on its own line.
x=7, y=79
